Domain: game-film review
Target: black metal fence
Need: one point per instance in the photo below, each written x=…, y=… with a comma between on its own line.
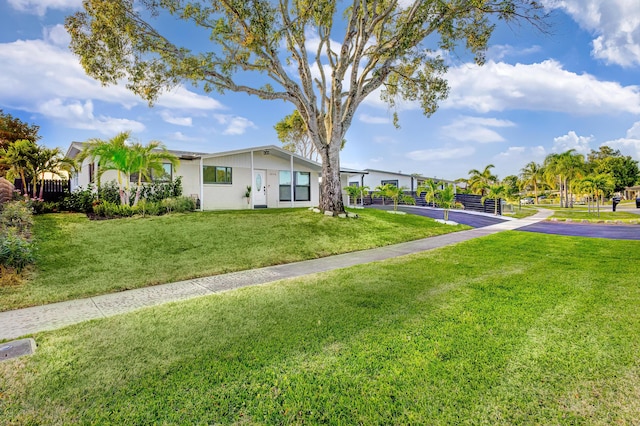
x=470, y=202
x=53, y=189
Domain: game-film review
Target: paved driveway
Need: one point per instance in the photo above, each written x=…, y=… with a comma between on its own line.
x=595, y=230
x=480, y=220
x=476, y=220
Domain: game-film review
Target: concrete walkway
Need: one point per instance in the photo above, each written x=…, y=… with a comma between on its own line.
x=14, y=324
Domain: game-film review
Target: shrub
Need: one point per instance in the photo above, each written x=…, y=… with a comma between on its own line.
x=17, y=215
x=112, y=210
x=179, y=204
x=158, y=191
x=15, y=251
x=109, y=192
x=149, y=208
x=41, y=207
x=81, y=200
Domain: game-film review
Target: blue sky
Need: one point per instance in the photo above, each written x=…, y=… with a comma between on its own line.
x=578, y=87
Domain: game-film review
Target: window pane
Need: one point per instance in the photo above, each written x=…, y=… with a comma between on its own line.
x=209, y=174
x=285, y=177
x=302, y=178
x=168, y=171
x=302, y=193
x=285, y=193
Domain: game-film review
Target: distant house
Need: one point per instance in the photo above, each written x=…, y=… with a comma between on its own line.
x=374, y=178
x=278, y=178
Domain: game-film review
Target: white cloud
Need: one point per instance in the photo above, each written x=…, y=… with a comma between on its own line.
x=33, y=72
x=79, y=115
x=500, y=51
x=439, y=154
x=544, y=86
x=572, y=141
x=181, y=137
x=615, y=23
x=179, y=121
x=370, y=119
x=235, y=125
x=629, y=145
x=56, y=35
x=476, y=129
x=39, y=7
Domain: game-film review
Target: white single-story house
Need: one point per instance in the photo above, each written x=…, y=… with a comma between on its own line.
x=278, y=178
x=374, y=178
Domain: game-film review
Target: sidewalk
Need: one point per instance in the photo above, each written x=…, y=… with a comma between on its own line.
x=20, y=322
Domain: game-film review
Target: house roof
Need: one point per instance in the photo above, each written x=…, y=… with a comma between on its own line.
x=409, y=175
x=76, y=147
x=268, y=150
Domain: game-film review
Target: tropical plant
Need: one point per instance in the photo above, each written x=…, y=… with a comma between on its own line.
x=532, y=175
x=48, y=160
x=126, y=160
x=479, y=181
x=382, y=191
x=363, y=191
x=494, y=192
x=429, y=188
x=147, y=159
x=353, y=192
x=562, y=170
x=19, y=157
x=397, y=194
x=113, y=154
x=387, y=46
x=446, y=200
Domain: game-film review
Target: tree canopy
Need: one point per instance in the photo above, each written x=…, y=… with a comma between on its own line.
x=325, y=57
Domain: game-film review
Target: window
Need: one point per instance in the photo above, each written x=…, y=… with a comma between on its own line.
x=301, y=188
x=390, y=182
x=216, y=174
x=92, y=172
x=165, y=176
x=356, y=184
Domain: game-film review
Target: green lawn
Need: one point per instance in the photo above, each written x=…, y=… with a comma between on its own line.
x=78, y=257
x=515, y=328
x=581, y=212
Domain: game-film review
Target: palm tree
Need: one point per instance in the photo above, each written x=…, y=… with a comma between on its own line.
x=480, y=180
x=494, y=192
x=362, y=192
x=113, y=154
x=382, y=191
x=353, y=192
x=563, y=169
x=49, y=160
x=532, y=175
x=446, y=199
x=429, y=188
x=397, y=195
x=20, y=156
x=149, y=158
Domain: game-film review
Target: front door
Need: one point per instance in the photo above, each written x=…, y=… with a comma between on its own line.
x=259, y=188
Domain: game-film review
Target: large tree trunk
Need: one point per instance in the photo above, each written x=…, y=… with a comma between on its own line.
x=330, y=188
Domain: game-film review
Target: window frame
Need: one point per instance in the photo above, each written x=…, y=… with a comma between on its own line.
x=227, y=171
x=285, y=195
x=393, y=182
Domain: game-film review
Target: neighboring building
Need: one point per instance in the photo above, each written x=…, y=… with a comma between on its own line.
x=374, y=178
x=278, y=178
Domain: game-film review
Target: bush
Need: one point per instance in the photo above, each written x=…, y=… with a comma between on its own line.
x=109, y=192
x=16, y=215
x=113, y=210
x=150, y=208
x=15, y=251
x=179, y=204
x=41, y=207
x=81, y=200
x=158, y=191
